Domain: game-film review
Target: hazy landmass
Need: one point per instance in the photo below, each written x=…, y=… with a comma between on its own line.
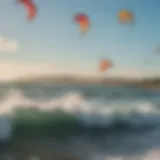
x=71, y=79
x=152, y=83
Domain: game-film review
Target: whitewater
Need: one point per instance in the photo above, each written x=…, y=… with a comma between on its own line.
x=125, y=120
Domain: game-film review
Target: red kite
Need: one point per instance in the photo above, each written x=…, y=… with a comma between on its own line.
x=30, y=7
x=83, y=21
x=105, y=65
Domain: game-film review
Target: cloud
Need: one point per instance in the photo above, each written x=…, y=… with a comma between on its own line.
x=8, y=45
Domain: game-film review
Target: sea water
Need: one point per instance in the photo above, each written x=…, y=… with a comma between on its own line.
x=95, y=122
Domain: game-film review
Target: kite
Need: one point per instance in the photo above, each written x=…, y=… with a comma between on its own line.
x=105, y=65
x=83, y=21
x=30, y=7
x=125, y=17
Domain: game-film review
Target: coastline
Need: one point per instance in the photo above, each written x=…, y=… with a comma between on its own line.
x=150, y=83
x=150, y=86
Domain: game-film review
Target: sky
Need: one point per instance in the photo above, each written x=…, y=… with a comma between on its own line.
x=52, y=43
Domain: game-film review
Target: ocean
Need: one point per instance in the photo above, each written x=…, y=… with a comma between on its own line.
x=45, y=121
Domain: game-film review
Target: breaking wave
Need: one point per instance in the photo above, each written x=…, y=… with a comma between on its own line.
x=73, y=110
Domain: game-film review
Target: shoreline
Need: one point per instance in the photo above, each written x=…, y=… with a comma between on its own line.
x=153, y=83
x=149, y=86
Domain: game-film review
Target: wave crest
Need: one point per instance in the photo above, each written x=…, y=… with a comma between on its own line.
x=74, y=110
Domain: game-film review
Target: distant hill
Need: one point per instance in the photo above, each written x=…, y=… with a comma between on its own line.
x=72, y=79
x=152, y=82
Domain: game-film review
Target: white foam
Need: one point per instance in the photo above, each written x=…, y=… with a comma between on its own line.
x=87, y=111
x=154, y=154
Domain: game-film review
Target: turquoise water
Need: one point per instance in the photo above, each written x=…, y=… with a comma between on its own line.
x=100, y=121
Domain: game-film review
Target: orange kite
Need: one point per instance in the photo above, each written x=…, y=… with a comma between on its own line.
x=83, y=21
x=125, y=16
x=105, y=65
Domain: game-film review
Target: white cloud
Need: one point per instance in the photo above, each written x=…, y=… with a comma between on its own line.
x=8, y=45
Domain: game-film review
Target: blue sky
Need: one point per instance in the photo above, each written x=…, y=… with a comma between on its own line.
x=54, y=37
